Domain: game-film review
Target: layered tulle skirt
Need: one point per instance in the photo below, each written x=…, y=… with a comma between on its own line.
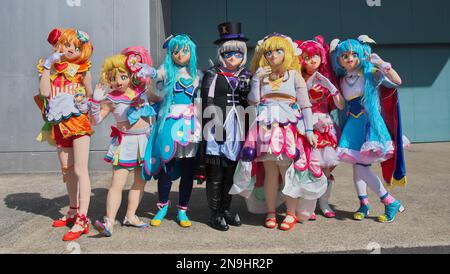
x=278, y=134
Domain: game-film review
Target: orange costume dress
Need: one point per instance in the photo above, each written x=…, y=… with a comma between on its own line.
x=65, y=111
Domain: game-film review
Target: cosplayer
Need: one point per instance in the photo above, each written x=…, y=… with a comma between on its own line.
x=279, y=142
x=65, y=83
x=372, y=132
x=128, y=102
x=324, y=97
x=225, y=88
x=173, y=143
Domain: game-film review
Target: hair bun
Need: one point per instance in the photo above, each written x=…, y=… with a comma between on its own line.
x=320, y=39
x=54, y=36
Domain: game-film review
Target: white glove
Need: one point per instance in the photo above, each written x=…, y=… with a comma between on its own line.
x=376, y=60
x=326, y=83
x=55, y=57
x=263, y=72
x=95, y=112
x=100, y=93
x=146, y=71
x=308, y=120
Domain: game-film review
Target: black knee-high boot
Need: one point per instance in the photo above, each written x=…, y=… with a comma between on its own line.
x=214, y=197
x=227, y=183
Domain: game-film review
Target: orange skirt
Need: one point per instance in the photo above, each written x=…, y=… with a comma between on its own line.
x=73, y=128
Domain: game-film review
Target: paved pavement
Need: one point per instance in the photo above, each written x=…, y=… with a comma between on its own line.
x=31, y=201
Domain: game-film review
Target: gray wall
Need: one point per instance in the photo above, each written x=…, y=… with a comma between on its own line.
x=24, y=26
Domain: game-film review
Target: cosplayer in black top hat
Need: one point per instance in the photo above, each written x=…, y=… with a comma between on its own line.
x=225, y=86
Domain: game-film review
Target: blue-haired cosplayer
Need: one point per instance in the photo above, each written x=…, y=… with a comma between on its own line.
x=369, y=134
x=173, y=143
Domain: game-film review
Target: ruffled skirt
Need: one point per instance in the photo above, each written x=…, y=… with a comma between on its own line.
x=128, y=149
x=325, y=131
x=360, y=144
x=178, y=138
x=278, y=135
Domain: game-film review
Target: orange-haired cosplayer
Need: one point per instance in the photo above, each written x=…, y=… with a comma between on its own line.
x=64, y=86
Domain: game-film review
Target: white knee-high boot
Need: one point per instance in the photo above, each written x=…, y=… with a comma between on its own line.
x=323, y=201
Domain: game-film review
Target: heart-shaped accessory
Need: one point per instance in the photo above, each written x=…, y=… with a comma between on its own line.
x=186, y=82
x=316, y=92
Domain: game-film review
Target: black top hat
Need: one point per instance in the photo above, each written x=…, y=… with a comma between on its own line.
x=230, y=31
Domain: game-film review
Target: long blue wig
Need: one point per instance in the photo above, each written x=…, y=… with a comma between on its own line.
x=371, y=97
x=179, y=42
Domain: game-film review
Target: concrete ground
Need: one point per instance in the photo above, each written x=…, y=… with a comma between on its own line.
x=31, y=201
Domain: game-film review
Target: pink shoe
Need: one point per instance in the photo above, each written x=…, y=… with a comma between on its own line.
x=330, y=214
x=313, y=217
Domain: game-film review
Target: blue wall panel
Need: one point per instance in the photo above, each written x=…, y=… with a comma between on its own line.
x=413, y=35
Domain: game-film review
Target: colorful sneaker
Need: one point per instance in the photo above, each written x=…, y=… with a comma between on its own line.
x=162, y=212
x=362, y=212
x=105, y=228
x=390, y=211
x=182, y=218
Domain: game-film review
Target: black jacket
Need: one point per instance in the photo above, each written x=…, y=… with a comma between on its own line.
x=223, y=98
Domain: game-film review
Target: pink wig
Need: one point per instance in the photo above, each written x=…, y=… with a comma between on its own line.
x=319, y=47
x=143, y=52
x=146, y=59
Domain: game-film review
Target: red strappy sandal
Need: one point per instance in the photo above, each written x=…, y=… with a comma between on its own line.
x=68, y=220
x=271, y=220
x=290, y=225
x=71, y=236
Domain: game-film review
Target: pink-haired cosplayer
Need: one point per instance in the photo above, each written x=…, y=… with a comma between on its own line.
x=324, y=97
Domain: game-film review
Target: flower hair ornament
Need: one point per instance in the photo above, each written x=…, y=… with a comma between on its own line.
x=133, y=61
x=295, y=46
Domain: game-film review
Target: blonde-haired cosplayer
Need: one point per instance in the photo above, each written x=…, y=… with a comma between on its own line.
x=280, y=140
x=274, y=43
x=112, y=66
x=127, y=100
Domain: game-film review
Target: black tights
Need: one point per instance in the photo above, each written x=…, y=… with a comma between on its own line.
x=186, y=182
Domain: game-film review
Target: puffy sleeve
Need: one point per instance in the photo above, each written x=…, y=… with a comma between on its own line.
x=40, y=67
x=208, y=84
x=301, y=91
